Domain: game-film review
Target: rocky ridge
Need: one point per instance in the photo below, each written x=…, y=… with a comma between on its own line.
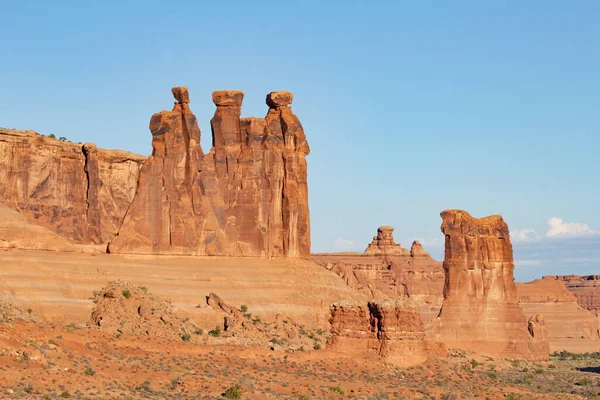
x=78, y=191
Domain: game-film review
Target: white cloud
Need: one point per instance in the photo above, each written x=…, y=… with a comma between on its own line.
x=342, y=244
x=524, y=235
x=557, y=227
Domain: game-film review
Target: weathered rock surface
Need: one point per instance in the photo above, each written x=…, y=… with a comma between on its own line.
x=79, y=192
x=537, y=329
x=247, y=197
x=481, y=312
x=122, y=308
x=417, y=250
x=585, y=288
x=390, y=328
x=383, y=244
x=391, y=272
x=570, y=327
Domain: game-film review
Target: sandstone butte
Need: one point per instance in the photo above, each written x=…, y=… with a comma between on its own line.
x=387, y=270
x=78, y=191
x=389, y=328
x=481, y=311
x=570, y=326
x=248, y=196
x=585, y=288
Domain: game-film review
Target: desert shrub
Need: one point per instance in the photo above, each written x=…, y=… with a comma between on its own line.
x=89, y=371
x=317, y=346
x=186, y=337
x=474, y=363
x=62, y=139
x=65, y=394
x=448, y=396
x=243, y=308
x=336, y=389
x=126, y=293
x=215, y=332
x=492, y=375
x=279, y=342
x=52, y=136
x=233, y=392
x=198, y=331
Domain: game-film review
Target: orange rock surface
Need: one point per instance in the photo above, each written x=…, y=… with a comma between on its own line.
x=481, y=312
x=585, y=288
x=570, y=327
x=247, y=197
x=391, y=271
x=79, y=192
x=390, y=328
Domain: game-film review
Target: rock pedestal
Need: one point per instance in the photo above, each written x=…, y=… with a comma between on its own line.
x=480, y=311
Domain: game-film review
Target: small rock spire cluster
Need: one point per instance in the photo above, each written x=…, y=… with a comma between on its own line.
x=384, y=244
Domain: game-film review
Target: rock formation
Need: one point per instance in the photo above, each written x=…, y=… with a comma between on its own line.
x=390, y=328
x=388, y=270
x=570, y=327
x=247, y=197
x=384, y=244
x=537, y=329
x=480, y=310
x=417, y=250
x=585, y=288
x=79, y=192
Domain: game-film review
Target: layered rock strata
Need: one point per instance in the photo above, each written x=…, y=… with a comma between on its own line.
x=383, y=244
x=480, y=311
x=570, y=327
x=585, y=288
x=389, y=328
x=247, y=197
x=388, y=270
x=78, y=191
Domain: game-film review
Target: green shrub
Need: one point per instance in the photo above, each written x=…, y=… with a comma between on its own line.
x=186, y=337
x=89, y=371
x=474, y=363
x=65, y=394
x=233, y=392
x=126, y=293
x=336, y=389
x=243, y=308
x=215, y=332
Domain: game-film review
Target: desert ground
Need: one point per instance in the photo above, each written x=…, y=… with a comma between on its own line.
x=47, y=351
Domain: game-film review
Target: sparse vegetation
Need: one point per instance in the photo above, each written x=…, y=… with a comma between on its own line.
x=127, y=293
x=233, y=392
x=215, y=332
x=336, y=389
x=89, y=371
x=244, y=308
x=186, y=337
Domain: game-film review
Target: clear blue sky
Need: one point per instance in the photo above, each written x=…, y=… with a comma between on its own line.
x=409, y=107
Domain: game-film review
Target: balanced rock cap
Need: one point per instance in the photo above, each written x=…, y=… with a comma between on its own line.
x=279, y=99
x=181, y=94
x=224, y=98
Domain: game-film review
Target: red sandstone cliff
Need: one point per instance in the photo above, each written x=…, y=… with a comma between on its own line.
x=481, y=312
x=247, y=197
x=585, y=288
x=79, y=192
x=570, y=327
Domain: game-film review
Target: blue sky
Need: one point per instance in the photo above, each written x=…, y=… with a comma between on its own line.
x=409, y=107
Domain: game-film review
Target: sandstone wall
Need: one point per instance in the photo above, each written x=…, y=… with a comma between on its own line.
x=585, y=288
x=390, y=328
x=79, y=192
x=248, y=196
x=570, y=327
x=480, y=311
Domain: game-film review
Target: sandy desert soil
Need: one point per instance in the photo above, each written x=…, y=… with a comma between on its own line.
x=41, y=360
